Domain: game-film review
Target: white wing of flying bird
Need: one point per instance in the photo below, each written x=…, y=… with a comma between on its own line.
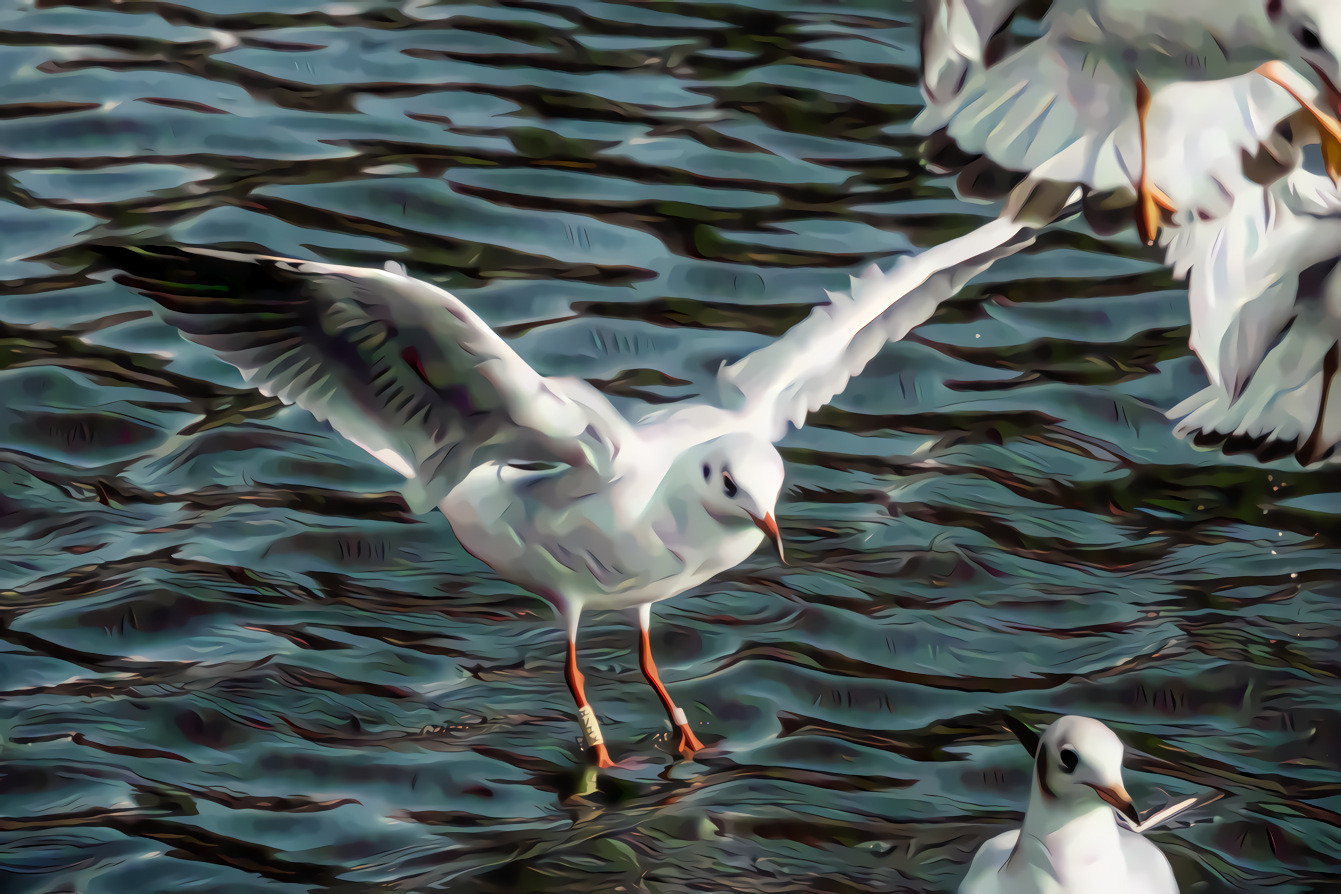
x=1265, y=305
x=399, y=367
x=777, y=385
x=955, y=34
x=1071, y=105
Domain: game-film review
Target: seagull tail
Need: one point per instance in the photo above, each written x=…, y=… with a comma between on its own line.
x=1290, y=405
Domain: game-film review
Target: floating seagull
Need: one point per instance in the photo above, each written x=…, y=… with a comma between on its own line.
x=1071, y=842
x=1261, y=262
x=541, y=477
x=1071, y=105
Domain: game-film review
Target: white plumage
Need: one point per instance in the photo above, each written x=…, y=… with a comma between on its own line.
x=541, y=477
x=1070, y=841
x=1260, y=261
x=1066, y=106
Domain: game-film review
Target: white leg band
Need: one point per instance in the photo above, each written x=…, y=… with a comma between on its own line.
x=680, y=718
x=591, y=730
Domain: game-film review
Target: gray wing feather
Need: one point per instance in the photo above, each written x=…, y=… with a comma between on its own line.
x=399, y=367
x=779, y=384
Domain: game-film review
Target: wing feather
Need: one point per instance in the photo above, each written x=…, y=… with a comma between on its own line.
x=400, y=367
x=779, y=384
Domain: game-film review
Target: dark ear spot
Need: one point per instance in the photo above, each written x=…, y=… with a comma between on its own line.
x=1041, y=767
x=1273, y=9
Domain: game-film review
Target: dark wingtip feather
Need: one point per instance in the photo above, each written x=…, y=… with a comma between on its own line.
x=1028, y=738
x=192, y=280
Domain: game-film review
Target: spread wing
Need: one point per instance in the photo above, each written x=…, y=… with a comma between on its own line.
x=399, y=367
x=777, y=385
x=955, y=34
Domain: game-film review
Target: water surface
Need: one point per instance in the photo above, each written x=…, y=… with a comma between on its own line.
x=230, y=659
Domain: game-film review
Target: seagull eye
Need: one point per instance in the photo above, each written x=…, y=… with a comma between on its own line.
x=729, y=485
x=1070, y=760
x=1308, y=38
x=707, y=472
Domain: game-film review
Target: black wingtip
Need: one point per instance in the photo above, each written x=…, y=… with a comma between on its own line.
x=1028, y=738
x=194, y=279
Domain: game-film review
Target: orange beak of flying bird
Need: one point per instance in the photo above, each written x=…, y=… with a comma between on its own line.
x=769, y=525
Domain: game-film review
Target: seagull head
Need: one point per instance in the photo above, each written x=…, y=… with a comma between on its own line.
x=1312, y=32
x=1079, y=761
x=739, y=477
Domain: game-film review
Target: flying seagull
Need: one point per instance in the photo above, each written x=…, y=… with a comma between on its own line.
x=1070, y=842
x=1072, y=105
x=1256, y=234
x=1259, y=243
x=541, y=477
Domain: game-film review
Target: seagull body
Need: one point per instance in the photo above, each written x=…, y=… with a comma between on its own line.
x=1070, y=842
x=541, y=477
x=1071, y=105
x=1260, y=251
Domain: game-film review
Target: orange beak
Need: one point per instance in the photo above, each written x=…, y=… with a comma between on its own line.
x=1117, y=796
x=769, y=525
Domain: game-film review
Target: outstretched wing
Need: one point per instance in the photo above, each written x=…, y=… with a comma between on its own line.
x=399, y=367
x=777, y=385
x=955, y=34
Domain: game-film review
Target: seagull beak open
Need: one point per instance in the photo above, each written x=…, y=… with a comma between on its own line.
x=1121, y=801
x=769, y=525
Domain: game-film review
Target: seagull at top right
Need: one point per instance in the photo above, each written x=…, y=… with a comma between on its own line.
x=1259, y=239
x=1071, y=106
x=1070, y=842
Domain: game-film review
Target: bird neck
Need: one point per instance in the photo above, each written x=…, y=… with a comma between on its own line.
x=1052, y=818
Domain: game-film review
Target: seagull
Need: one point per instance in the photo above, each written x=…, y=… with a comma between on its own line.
x=1261, y=263
x=1071, y=105
x=541, y=477
x=1071, y=842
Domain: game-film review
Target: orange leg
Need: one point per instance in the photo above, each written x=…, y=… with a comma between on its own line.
x=591, y=730
x=1329, y=129
x=1149, y=198
x=689, y=744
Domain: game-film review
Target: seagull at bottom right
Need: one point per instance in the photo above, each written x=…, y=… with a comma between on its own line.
x=1071, y=842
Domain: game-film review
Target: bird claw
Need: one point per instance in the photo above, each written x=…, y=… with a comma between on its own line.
x=600, y=756
x=1331, y=157
x=688, y=744
x=1151, y=200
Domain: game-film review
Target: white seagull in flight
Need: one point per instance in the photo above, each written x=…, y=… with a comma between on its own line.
x=1071, y=106
x=1259, y=242
x=541, y=477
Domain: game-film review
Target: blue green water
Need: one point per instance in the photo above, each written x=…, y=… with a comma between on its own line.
x=230, y=660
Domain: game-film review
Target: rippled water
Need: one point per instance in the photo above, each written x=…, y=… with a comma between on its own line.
x=224, y=642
